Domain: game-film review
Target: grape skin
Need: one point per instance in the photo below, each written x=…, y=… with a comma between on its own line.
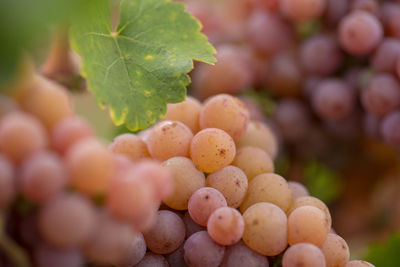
x=336, y=251
x=225, y=226
x=135, y=252
x=298, y=190
x=359, y=263
x=301, y=10
x=253, y=161
x=240, y=255
x=303, y=254
x=187, y=112
x=310, y=201
x=129, y=145
x=152, y=260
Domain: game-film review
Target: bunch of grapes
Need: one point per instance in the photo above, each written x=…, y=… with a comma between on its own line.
x=333, y=66
x=196, y=189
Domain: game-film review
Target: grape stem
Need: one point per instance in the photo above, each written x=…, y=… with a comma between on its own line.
x=11, y=249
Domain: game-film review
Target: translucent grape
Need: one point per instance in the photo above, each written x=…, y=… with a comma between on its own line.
x=67, y=221
x=186, y=112
x=382, y=95
x=68, y=132
x=385, y=56
x=212, y=149
x=135, y=252
x=298, y=190
x=225, y=226
x=21, y=135
x=360, y=33
x=152, y=260
x=200, y=250
x=90, y=167
x=42, y=177
x=359, y=263
x=7, y=182
x=268, y=187
x=265, y=229
x=191, y=226
x=303, y=254
x=259, y=135
x=187, y=179
x=390, y=129
x=46, y=256
x=301, y=10
x=240, y=255
x=169, y=139
x=253, y=161
x=307, y=224
x=227, y=113
x=166, y=234
x=335, y=250
x=129, y=145
x=232, y=182
x=203, y=203
x=311, y=201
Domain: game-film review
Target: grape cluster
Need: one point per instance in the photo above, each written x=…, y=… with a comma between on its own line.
x=196, y=189
x=333, y=66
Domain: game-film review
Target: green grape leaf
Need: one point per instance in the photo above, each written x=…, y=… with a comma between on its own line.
x=142, y=65
x=386, y=254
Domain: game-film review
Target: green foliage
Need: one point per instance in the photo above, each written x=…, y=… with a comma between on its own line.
x=386, y=254
x=141, y=66
x=322, y=182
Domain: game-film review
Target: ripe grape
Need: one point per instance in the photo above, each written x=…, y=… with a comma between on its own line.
x=227, y=113
x=303, y=254
x=310, y=201
x=169, y=139
x=21, y=135
x=232, y=182
x=253, y=161
x=390, y=129
x=307, y=224
x=265, y=229
x=225, y=226
x=298, y=190
x=129, y=145
x=212, y=149
x=385, y=56
x=335, y=250
x=200, y=250
x=135, y=252
x=301, y=10
x=186, y=112
x=47, y=256
x=166, y=234
x=268, y=187
x=240, y=255
x=152, y=260
x=359, y=263
x=7, y=182
x=203, y=203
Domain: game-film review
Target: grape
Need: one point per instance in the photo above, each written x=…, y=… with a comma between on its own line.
x=212, y=149
x=268, y=33
x=307, y=224
x=301, y=10
x=230, y=75
x=187, y=179
x=7, y=105
x=110, y=240
x=255, y=111
x=390, y=17
x=320, y=55
x=90, y=167
x=268, y=187
x=46, y=256
x=203, y=203
x=152, y=260
x=48, y=101
x=382, y=95
x=166, y=234
x=7, y=182
x=68, y=132
x=253, y=161
x=335, y=10
x=131, y=197
x=129, y=145
x=390, y=129
x=265, y=229
x=370, y=6
x=297, y=189
x=268, y=5
x=169, y=139
x=260, y=135
x=385, y=56
x=240, y=255
x=232, y=182
x=227, y=113
x=335, y=250
x=359, y=263
x=21, y=135
x=311, y=201
x=67, y=221
x=42, y=177
x=360, y=33
x=200, y=250
x=225, y=226
x=176, y=258
x=291, y=112
x=333, y=99
x=191, y=226
x=186, y=112
x=303, y=254
x=135, y=252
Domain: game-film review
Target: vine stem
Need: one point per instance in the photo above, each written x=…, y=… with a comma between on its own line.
x=11, y=249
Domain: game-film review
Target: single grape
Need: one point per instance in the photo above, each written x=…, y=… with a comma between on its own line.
x=253, y=161
x=152, y=260
x=129, y=145
x=135, y=252
x=310, y=201
x=240, y=255
x=203, y=203
x=186, y=112
x=200, y=250
x=335, y=250
x=359, y=263
x=385, y=56
x=303, y=254
x=225, y=226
